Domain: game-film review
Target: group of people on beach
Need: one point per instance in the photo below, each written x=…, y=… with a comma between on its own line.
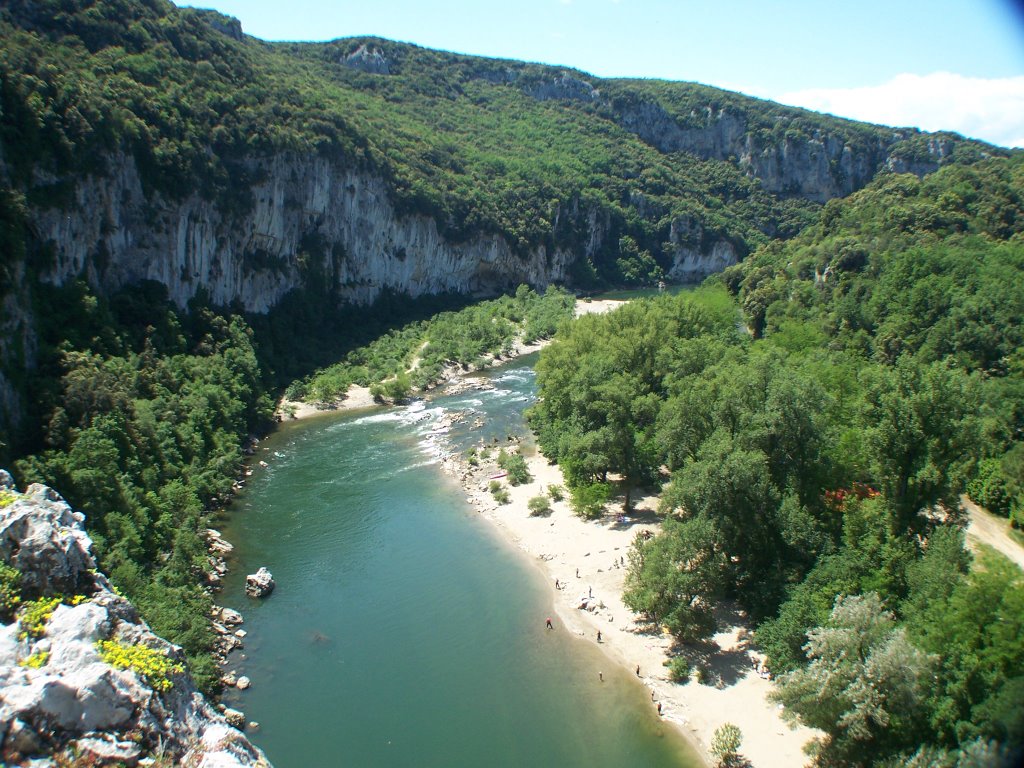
x=548, y=624
x=758, y=666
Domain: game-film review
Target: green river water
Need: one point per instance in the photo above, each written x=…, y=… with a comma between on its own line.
x=403, y=631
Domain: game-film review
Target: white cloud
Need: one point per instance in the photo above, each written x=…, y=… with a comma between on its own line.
x=988, y=109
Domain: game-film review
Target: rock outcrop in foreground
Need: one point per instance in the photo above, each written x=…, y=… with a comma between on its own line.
x=58, y=694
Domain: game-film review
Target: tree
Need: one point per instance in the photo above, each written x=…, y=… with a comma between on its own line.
x=975, y=624
x=588, y=500
x=864, y=686
x=675, y=577
x=922, y=435
x=733, y=488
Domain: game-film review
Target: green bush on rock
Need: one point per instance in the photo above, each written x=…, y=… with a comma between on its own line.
x=10, y=591
x=35, y=614
x=152, y=665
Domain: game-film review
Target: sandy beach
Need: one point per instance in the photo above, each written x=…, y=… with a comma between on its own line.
x=588, y=558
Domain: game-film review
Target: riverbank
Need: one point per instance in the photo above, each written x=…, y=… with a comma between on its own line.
x=589, y=559
x=359, y=398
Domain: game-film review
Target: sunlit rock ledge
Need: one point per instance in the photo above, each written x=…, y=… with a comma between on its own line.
x=62, y=692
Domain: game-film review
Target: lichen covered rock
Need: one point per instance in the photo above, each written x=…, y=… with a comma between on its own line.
x=64, y=691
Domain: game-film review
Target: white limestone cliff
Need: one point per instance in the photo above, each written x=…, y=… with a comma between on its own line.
x=58, y=696
x=305, y=208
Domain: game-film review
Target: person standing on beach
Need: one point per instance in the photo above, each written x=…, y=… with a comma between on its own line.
x=599, y=635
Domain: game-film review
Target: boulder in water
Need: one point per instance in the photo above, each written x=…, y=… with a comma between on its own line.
x=259, y=584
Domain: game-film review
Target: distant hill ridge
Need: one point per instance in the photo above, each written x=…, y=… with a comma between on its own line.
x=542, y=157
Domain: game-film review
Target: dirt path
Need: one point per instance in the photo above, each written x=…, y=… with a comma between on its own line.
x=994, y=531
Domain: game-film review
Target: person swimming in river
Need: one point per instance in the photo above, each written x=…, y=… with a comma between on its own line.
x=549, y=624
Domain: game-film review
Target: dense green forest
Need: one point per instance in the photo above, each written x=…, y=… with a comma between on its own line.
x=472, y=142
x=811, y=418
x=414, y=356
x=142, y=414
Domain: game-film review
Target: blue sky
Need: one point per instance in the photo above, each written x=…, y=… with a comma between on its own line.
x=935, y=64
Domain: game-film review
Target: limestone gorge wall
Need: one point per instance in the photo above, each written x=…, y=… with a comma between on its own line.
x=61, y=698
x=305, y=209
x=818, y=167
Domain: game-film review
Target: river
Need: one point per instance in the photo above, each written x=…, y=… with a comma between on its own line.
x=404, y=631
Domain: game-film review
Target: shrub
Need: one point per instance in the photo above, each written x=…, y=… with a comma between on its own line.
x=588, y=500
x=725, y=744
x=36, y=660
x=7, y=498
x=152, y=665
x=538, y=506
x=501, y=496
x=494, y=486
x=10, y=592
x=35, y=614
x=297, y=390
x=679, y=670
x=394, y=389
x=518, y=473
x=556, y=492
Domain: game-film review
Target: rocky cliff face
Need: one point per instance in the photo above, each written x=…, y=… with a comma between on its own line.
x=695, y=254
x=818, y=168
x=308, y=215
x=61, y=698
